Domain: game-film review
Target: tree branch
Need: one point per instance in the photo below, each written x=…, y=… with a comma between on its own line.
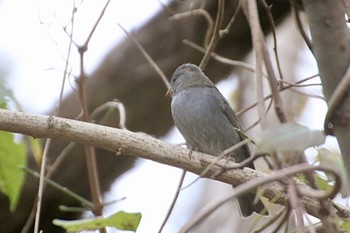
x=331, y=46
x=147, y=147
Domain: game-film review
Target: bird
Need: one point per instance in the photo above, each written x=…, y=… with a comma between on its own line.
x=207, y=122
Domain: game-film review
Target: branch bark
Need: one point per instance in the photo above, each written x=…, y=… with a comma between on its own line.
x=331, y=46
x=144, y=146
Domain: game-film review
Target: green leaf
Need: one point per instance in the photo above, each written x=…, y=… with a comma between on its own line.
x=330, y=159
x=342, y=224
x=7, y=98
x=35, y=148
x=288, y=137
x=323, y=184
x=121, y=220
x=12, y=157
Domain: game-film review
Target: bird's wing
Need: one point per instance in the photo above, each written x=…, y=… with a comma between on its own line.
x=227, y=110
x=229, y=113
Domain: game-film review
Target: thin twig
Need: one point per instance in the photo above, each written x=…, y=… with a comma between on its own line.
x=298, y=84
x=257, y=122
x=206, y=16
x=286, y=229
x=115, y=104
x=219, y=58
x=232, y=20
x=295, y=204
x=41, y=185
x=222, y=155
x=252, y=16
x=248, y=186
x=296, y=13
x=270, y=95
x=59, y=159
x=90, y=155
x=30, y=219
x=182, y=178
x=48, y=141
x=89, y=151
x=244, y=163
x=84, y=47
x=278, y=103
x=280, y=214
x=216, y=35
x=283, y=220
x=70, y=146
x=148, y=57
x=65, y=72
x=273, y=27
x=65, y=190
x=262, y=53
x=307, y=94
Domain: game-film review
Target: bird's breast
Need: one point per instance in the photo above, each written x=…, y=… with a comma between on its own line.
x=200, y=119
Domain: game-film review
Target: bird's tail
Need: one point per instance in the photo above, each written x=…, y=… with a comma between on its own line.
x=247, y=205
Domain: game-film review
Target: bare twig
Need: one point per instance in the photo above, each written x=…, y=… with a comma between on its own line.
x=257, y=122
x=148, y=57
x=285, y=87
x=219, y=58
x=41, y=186
x=85, y=45
x=307, y=94
x=212, y=164
x=182, y=178
x=298, y=84
x=206, y=16
x=223, y=155
x=90, y=151
x=282, y=174
x=232, y=20
x=48, y=141
x=280, y=214
x=215, y=36
x=283, y=220
x=262, y=53
x=257, y=39
x=294, y=203
x=277, y=100
x=116, y=104
x=65, y=190
x=296, y=13
x=273, y=27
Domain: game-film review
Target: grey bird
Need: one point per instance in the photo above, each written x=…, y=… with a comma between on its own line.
x=207, y=122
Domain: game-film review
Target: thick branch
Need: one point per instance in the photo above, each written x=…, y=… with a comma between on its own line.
x=331, y=46
x=142, y=145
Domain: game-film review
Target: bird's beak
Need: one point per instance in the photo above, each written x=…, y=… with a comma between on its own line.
x=170, y=92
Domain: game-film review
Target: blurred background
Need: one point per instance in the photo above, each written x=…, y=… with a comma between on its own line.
x=33, y=54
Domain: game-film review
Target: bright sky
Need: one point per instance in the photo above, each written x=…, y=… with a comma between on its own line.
x=34, y=45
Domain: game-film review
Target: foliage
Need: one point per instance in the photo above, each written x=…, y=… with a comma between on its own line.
x=12, y=157
x=12, y=154
x=120, y=220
